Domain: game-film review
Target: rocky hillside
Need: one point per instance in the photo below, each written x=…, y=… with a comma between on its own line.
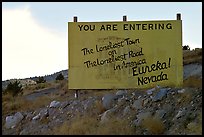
x=156, y=111
x=51, y=77
x=31, y=80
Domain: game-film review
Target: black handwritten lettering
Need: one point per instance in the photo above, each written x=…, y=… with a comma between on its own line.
x=130, y=42
x=87, y=51
x=145, y=80
x=134, y=54
x=105, y=61
x=134, y=71
x=134, y=63
x=153, y=67
x=117, y=67
x=120, y=44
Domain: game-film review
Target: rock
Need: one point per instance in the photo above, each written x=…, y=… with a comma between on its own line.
x=146, y=101
x=141, y=117
x=36, y=117
x=108, y=101
x=159, y=96
x=88, y=103
x=54, y=104
x=121, y=93
x=121, y=101
x=168, y=108
x=181, y=91
x=106, y=115
x=138, y=104
x=160, y=113
x=12, y=121
x=180, y=113
x=192, y=70
x=64, y=104
x=150, y=91
x=43, y=113
x=29, y=116
x=24, y=132
x=126, y=111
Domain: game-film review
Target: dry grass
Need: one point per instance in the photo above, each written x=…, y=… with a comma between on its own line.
x=116, y=127
x=18, y=104
x=185, y=97
x=196, y=126
x=78, y=126
x=193, y=82
x=89, y=125
x=154, y=125
x=31, y=88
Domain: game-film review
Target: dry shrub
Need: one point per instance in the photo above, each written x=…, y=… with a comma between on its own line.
x=89, y=125
x=99, y=107
x=193, y=81
x=154, y=125
x=116, y=126
x=85, y=125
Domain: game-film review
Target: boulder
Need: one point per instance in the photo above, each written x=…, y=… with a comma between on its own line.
x=121, y=93
x=43, y=113
x=150, y=91
x=181, y=91
x=126, y=111
x=108, y=101
x=12, y=121
x=161, y=94
x=138, y=104
x=160, y=113
x=107, y=115
x=141, y=117
x=54, y=104
x=180, y=113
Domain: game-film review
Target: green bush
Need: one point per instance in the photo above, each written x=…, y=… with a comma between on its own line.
x=60, y=77
x=40, y=80
x=14, y=88
x=186, y=47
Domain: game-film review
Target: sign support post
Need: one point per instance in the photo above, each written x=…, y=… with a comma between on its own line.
x=77, y=92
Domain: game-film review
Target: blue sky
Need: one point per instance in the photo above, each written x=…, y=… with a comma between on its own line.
x=46, y=22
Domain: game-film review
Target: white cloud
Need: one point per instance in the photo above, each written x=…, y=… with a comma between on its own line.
x=29, y=49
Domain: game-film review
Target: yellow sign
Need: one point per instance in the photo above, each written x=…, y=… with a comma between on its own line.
x=124, y=55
